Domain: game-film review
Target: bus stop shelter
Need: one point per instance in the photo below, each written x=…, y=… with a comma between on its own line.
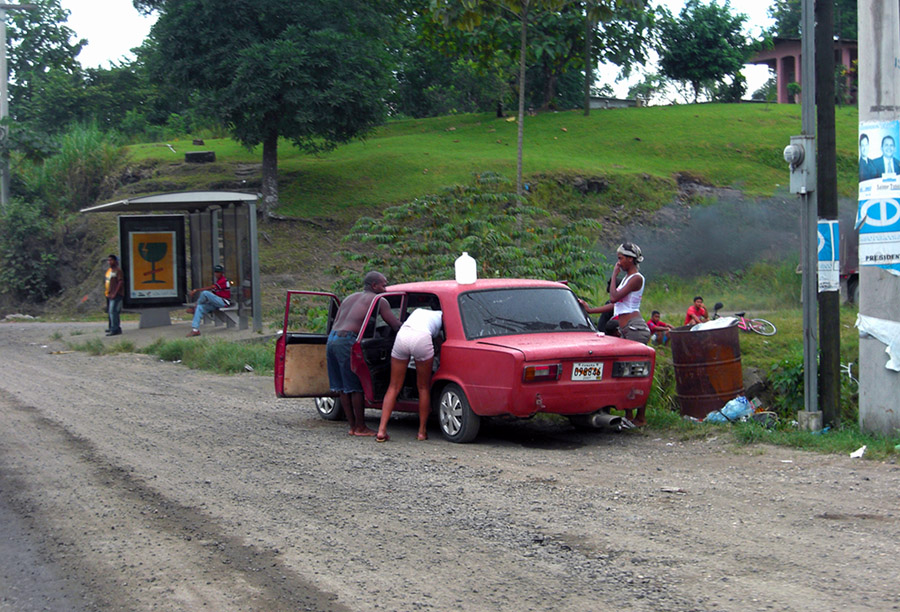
x=158, y=255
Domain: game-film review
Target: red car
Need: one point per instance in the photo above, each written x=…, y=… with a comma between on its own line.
x=509, y=347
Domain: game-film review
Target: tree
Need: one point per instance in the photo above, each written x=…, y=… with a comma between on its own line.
x=768, y=92
x=314, y=72
x=437, y=74
x=558, y=49
x=788, y=15
x=703, y=45
x=649, y=87
x=624, y=41
x=44, y=74
x=469, y=14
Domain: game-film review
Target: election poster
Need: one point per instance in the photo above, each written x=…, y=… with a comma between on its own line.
x=878, y=213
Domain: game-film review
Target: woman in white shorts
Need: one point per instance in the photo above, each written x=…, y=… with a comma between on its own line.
x=414, y=340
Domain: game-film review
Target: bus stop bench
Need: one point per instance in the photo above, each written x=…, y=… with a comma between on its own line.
x=226, y=316
x=221, y=316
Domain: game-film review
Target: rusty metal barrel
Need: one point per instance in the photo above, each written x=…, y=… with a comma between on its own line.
x=707, y=368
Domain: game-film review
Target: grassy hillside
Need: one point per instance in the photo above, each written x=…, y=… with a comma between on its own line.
x=737, y=146
x=639, y=154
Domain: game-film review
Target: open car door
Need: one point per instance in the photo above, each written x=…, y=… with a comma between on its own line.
x=370, y=357
x=300, y=366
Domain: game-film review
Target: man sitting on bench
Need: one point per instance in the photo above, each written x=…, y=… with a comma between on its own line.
x=213, y=297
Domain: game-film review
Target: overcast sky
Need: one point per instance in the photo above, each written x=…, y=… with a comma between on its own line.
x=114, y=27
x=111, y=27
x=757, y=21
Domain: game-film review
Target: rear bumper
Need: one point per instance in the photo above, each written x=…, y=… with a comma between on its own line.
x=565, y=399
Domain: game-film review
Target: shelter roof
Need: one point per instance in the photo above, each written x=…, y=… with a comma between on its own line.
x=191, y=201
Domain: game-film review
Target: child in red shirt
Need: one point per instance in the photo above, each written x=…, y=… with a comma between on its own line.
x=696, y=313
x=659, y=331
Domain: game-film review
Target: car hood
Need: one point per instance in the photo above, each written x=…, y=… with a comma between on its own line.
x=569, y=345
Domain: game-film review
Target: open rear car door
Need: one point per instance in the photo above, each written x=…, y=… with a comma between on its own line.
x=370, y=358
x=300, y=366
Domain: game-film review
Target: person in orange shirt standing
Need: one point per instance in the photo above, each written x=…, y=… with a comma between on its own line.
x=115, y=293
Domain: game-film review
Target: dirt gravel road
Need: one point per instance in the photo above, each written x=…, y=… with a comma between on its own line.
x=131, y=484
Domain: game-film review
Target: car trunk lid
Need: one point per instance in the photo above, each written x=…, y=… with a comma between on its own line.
x=568, y=345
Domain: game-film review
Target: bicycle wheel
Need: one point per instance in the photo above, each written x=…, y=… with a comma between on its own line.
x=761, y=327
x=852, y=382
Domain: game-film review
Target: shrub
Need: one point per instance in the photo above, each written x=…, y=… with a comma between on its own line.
x=506, y=235
x=28, y=268
x=76, y=176
x=786, y=379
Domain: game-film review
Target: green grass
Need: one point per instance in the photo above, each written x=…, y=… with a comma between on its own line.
x=841, y=441
x=95, y=346
x=217, y=356
x=768, y=291
x=733, y=145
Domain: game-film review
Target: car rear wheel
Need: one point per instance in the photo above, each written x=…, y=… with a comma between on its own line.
x=330, y=408
x=457, y=421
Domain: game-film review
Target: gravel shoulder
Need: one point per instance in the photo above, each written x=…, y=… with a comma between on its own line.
x=127, y=483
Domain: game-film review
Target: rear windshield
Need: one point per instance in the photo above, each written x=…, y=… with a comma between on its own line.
x=500, y=312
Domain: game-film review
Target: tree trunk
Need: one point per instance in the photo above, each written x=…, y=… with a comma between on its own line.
x=523, y=37
x=269, y=174
x=588, y=64
x=550, y=91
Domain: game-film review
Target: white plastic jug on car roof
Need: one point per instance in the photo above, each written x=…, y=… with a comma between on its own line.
x=466, y=270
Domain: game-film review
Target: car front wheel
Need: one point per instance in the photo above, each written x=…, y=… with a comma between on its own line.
x=458, y=423
x=329, y=408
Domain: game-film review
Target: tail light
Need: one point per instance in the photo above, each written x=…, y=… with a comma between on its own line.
x=539, y=373
x=631, y=369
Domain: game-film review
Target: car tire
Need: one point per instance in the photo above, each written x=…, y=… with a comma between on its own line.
x=455, y=417
x=330, y=409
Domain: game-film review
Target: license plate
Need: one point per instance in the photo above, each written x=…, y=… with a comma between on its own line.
x=587, y=371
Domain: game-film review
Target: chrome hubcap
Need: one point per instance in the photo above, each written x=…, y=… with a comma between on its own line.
x=325, y=405
x=450, y=413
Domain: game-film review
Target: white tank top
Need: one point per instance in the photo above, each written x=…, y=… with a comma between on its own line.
x=422, y=319
x=632, y=301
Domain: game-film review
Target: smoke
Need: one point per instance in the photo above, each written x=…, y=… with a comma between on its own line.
x=730, y=232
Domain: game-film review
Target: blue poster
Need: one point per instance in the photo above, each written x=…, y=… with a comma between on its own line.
x=878, y=215
x=829, y=259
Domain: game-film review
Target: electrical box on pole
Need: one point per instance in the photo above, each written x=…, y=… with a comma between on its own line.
x=801, y=157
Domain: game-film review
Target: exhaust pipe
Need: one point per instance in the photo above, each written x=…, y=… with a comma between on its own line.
x=604, y=420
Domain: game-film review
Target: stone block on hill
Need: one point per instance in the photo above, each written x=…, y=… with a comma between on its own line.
x=200, y=157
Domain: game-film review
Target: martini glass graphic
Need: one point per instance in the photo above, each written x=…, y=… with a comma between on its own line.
x=152, y=252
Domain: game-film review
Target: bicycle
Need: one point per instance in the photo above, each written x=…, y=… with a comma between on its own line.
x=760, y=326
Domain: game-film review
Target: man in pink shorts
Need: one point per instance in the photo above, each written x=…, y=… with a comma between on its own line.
x=414, y=340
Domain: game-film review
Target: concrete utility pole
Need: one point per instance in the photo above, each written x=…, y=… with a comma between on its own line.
x=4, y=98
x=801, y=155
x=829, y=301
x=879, y=290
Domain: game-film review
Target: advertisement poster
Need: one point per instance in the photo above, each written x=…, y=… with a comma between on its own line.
x=153, y=259
x=153, y=270
x=829, y=259
x=878, y=214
